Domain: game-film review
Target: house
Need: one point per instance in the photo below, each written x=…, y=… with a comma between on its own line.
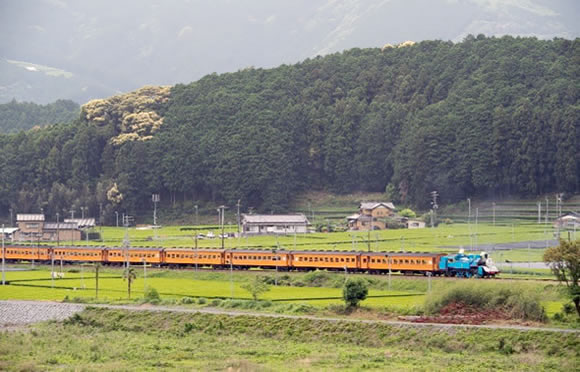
x=256, y=224
x=569, y=220
x=371, y=216
x=32, y=227
x=29, y=226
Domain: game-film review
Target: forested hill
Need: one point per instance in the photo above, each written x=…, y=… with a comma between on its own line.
x=485, y=117
x=15, y=116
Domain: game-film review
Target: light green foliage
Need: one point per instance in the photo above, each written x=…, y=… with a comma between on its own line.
x=407, y=213
x=354, y=291
x=256, y=287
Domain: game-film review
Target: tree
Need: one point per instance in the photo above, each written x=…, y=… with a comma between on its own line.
x=409, y=213
x=564, y=260
x=256, y=287
x=354, y=291
x=130, y=276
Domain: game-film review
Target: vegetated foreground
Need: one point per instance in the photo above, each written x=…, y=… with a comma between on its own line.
x=124, y=340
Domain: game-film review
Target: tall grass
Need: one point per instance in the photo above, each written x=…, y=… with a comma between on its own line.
x=520, y=301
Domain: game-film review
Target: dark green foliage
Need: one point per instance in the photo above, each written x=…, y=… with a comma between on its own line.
x=487, y=117
x=15, y=116
x=354, y=291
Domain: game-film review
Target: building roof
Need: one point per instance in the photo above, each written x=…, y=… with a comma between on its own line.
x=373, y=205
x=298, y=219
x=8, y=230
x=81, y=222
x=29, y=217
x=60, y=226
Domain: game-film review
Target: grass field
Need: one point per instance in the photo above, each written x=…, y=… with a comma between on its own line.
x=318, y=290
x=100, y=339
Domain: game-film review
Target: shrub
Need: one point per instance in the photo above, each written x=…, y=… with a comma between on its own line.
x=409, y=213
x=187, y=300
x=256, y=287
x=151, y=295
x=202, y=301
x=520, y=301
x=568, y=308
x=354, y=291
x=317, y=278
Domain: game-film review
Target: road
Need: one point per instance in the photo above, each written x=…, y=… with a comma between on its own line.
x=17, y=312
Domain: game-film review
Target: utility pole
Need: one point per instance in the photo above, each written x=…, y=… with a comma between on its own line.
x=116, y=218
x=434, y=196
x=468, y=210
x=126, y=241
x=82, y=212
x=3, y=258
x=547, y=209
x=155, y=198
x=539, y=212
x=97, y=265
x=493, y=206
x=11, y=211
x=238, y=215
x=72, y=213
x=196, y=219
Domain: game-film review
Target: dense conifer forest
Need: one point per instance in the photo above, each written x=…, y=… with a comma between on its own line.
x=488, y=117
x=16, y=116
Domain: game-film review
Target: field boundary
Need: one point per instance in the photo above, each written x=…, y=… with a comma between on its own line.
x=27, y=305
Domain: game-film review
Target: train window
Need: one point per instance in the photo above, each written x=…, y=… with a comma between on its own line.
x=406, y=261
x=342, y=260
x=364, y=260
x=372, y=260
x=384, y=260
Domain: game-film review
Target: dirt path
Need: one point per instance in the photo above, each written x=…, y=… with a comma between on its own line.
x=14, y=312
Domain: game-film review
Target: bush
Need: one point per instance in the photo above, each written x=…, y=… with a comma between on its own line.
x=202, y=301
x=317, y=278
x=354, y=291
x=151, y=295
x=519, y=301
x=187, y=300
x=407, y=213
x=568, y=308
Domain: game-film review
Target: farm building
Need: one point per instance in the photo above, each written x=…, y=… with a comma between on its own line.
x=371, y=216
x=32, y=227
x=29, y=226
x=256, y=224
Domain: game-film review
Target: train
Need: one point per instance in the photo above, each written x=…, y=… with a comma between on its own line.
x=435, y=264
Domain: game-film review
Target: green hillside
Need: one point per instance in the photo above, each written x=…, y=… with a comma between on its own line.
x=485, y=118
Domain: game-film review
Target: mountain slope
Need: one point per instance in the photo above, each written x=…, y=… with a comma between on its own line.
x=109, y=47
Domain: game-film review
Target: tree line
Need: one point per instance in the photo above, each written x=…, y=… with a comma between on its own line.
x=16, y=116
x=490, y=117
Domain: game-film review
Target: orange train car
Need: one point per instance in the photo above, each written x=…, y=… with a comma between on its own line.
x=188, y=256
x=256, y=258
x=154, y=256
x=17, y=253
x=78, y=254
x=407, y=263
x=325, y=260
